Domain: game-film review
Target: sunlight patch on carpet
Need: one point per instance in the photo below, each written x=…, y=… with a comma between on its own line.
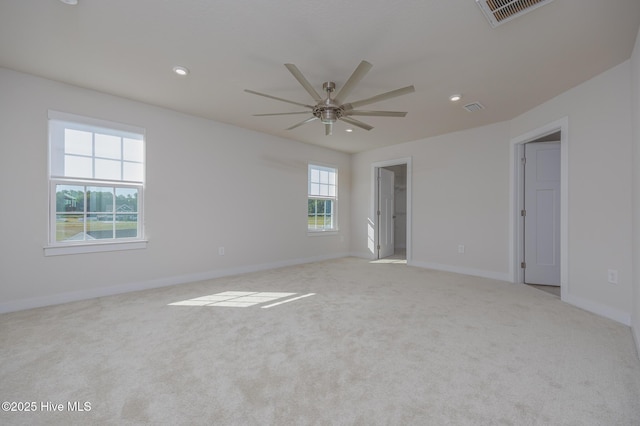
x=241, y=299
x=288, y=300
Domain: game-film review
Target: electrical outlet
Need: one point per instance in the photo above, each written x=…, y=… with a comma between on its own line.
x=612, y=276
x=221, y=251
x=461, y=249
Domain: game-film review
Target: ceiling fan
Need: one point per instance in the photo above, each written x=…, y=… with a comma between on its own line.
x=329, y=110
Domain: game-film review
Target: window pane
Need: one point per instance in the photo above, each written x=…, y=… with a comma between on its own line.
x=320, y=214
x=82, y=150
x=132, y=150
x=99, y=226
x=108, y=169
x=332, y=178
x=315, y=189
x=324, y=190
x=328, y=206
x=126, y=225
x=80, y=167
x=315, y=175
x=311, y=215
x=78, y=142
x=328, y=215
x=332, y=191
x=126, y=200
x=132, y=172
x=108, y=146
x=99, y=199
x=69, y=227
x=324, y=176
x=69, y=198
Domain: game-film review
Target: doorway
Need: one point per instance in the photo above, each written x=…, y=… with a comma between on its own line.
x=546, y=204
x=391, y=210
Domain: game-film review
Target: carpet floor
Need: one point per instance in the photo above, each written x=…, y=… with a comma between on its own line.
x=341, y=342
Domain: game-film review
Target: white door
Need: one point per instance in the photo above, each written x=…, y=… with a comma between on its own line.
x=386, y=204
x=542, y=213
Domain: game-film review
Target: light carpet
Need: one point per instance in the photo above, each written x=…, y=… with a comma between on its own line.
x=376, y=344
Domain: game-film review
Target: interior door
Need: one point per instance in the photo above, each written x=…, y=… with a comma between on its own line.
x=386, y=205
x=542, y=213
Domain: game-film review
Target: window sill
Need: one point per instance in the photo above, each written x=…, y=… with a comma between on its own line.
x=61, y=250
x=323, y=233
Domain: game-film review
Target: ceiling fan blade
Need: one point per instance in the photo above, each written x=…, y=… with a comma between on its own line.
x=356, y=123
x=281, y=113
x=276, y=98
x=308, y=120
x=380, y=97
x=328, y=129
x=353, y=80
x=375, y=113
x=304, y=82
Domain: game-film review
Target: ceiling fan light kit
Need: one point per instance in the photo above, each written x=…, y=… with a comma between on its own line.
x=329, y=110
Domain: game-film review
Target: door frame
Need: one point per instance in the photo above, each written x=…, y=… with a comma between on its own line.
x=516, y=228
x=373, y=217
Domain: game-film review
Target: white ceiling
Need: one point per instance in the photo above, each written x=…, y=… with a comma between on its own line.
x=129, y=47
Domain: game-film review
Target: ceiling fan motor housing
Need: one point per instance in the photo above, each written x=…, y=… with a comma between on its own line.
x=328, y=111
x=328, y=115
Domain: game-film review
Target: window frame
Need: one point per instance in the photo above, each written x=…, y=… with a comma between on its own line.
x=335, y=228
x=56, y=123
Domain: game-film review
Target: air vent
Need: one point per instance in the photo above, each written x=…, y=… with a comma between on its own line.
x=500, y=11
x=474, y=106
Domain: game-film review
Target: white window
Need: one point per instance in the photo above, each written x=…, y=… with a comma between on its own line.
x=96, y=182
x=322, y=199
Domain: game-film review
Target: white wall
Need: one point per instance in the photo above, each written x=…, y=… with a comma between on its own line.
x=635, y=119
x=600, y=177
x=461, y=193
x=208, y=185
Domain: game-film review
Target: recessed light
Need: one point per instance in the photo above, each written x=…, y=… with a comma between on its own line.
x=349, y=130
x=455, y=98
x=182, y=71
x=71, y=2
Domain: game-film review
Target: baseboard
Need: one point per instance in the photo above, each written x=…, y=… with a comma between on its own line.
x=599, y=309
x=73, y=296
x=500, y=276
x=362, y=255
x=448, y=268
